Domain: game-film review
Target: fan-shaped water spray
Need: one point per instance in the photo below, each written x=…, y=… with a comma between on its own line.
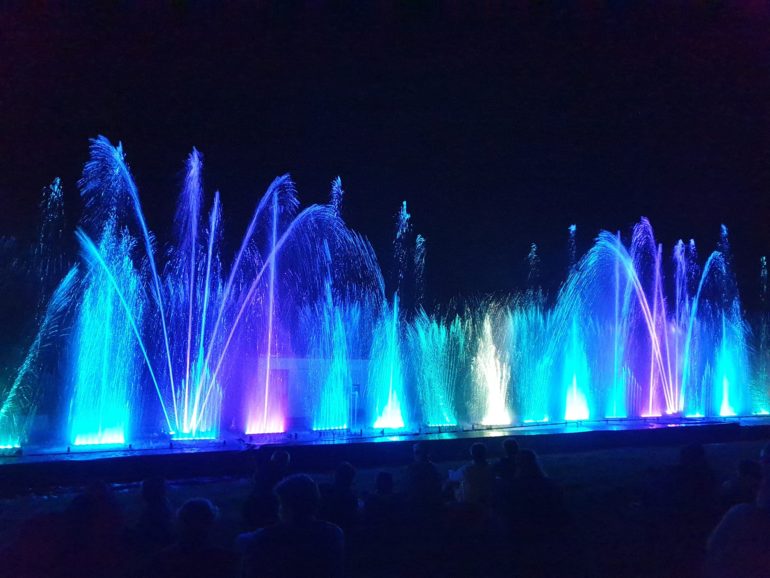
x=297, y=330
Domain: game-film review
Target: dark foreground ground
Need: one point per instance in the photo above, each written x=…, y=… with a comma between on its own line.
x=614, y=532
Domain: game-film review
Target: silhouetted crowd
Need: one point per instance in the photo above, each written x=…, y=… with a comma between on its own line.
x=434, y=525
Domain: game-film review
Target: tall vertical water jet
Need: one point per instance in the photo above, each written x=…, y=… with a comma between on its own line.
x=437, y=352
x=617, y=407
x=262, y=423
x=760, y=394
x=419, y=271
x=266, y=411
x=678, y=325
x=386, y=378
x=576, y=376
x=192, y=283
x=50, y=259
x=491, y=376
x=104, y=389
x=332, y=281
x=332, y=368
x=528, y=334
x=533, y=269
x=19, y=399
x=732, y=365
x=326, y=321
x=386, y=373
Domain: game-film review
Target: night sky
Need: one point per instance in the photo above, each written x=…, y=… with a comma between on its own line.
x=500, y=126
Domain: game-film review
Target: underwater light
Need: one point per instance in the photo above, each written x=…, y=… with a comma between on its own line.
x=543, y=420
x=106, y=437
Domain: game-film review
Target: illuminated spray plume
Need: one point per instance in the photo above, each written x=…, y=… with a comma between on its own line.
x=296, y=330
x=491, y=375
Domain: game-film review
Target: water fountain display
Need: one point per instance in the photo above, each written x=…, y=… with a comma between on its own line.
x=299, y=330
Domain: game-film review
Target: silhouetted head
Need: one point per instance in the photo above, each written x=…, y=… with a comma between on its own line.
x=100, y=490
x=479, y=452
x=750, y=469
x=528, y=465
x=763, y=498
x=154, y=490
x=764, y=456
x=196, y=518
x=94, y=503
x=344, y=475
x=693, y=457
x=420, y=451
x=280, y=459
x=298, y=499
x=82, y=510
x=510, y=447
x=384, y=483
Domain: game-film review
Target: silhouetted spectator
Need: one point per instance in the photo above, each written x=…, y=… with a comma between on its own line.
x=95, y=530
x=536, y=503
x=694, y=485
x=505, y=468
x=539, y=522
x=740, y=544
x=423, y=481
x=193, y=556
x=743, y=487
x=339, y=503
x=37, y=550
x=154, y=530
x=261, y=507
x=298, y=546
x=383, y=506
x=84, y=540
x=689, y=508
x=477, y=478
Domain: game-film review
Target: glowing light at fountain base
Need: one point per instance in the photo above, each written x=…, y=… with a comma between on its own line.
x=274, y=424
x=544, y=419
x=391, y=417
x=577, y=407
x=190, y=436
x=339, y=428
x=492, y=373
x=106, y=437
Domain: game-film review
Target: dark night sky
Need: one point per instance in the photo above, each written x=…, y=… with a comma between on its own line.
x=500, y=126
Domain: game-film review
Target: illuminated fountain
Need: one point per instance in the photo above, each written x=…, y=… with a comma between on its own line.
x=386, y=385
x=437, y=352
x=297, y=331
x=491, y=378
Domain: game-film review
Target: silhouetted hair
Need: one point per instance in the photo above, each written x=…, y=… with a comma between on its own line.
x=87, y=506
x=750, y=468
x=154, y=490
x=692, y=455
x=281, y=457
x=529, y=465
x=420, y=450
x=299, y=495
x=765, y=454
x=510, y=446
x=197, y=516
x=384, y=482
x=478, y=452
x=345, y=474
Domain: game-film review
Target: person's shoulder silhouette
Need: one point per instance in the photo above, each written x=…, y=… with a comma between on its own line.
x=299, y=545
